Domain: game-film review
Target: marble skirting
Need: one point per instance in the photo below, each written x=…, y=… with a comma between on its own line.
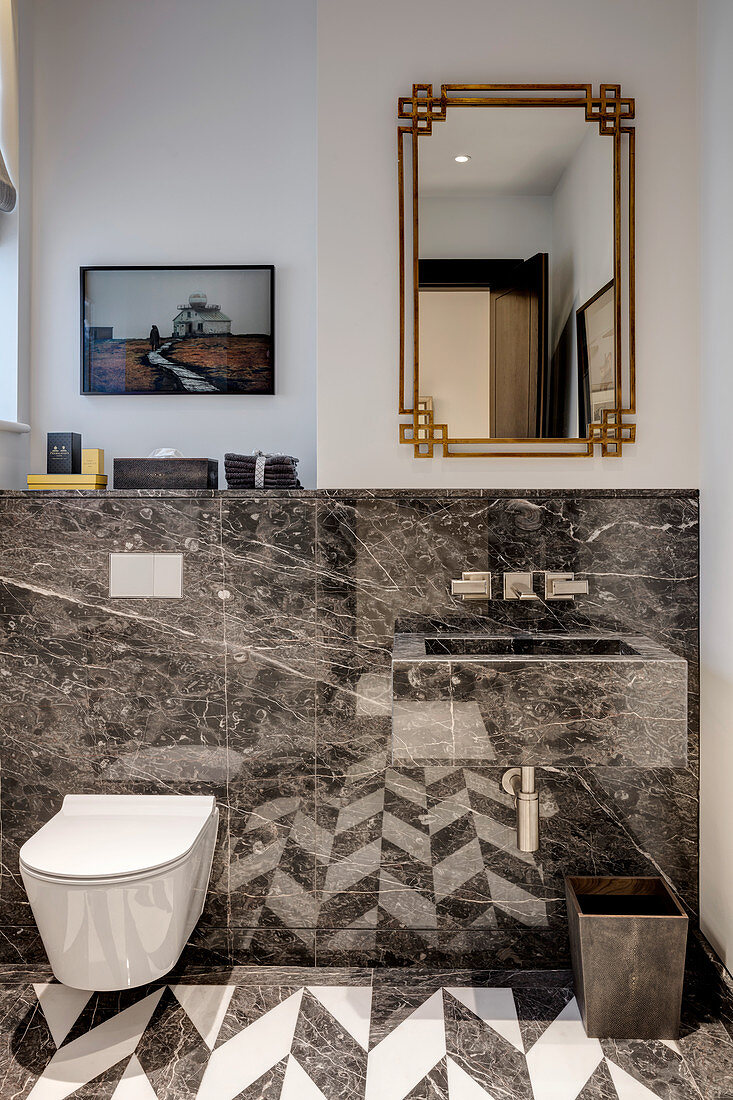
x=269, y=686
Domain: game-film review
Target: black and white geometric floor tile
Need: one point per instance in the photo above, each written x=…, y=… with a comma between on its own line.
x=295, y=1041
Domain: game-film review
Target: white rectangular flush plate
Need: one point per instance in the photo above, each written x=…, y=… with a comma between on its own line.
x=168, y=576
x=146, y=576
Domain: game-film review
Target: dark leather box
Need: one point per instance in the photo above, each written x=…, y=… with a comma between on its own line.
x=166, y=473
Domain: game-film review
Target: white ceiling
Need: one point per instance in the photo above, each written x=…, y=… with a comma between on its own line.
x=513, y=150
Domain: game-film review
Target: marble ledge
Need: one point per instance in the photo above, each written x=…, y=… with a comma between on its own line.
x=358, y=494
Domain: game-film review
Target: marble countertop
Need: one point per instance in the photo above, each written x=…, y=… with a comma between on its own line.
x=354, y=494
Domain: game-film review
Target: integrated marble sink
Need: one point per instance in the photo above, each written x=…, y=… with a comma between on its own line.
x=530, y=646
x=589, y=698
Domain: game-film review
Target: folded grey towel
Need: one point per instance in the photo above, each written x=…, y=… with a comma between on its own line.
x=268, y=485
x=280, y=467
x=267, y=481
x=249, y=483
x=267, y=472
x=235, y=458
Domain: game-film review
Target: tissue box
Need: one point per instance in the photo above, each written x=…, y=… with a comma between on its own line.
x=166, y=473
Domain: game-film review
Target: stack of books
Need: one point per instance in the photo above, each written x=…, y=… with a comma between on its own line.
x=67, y=481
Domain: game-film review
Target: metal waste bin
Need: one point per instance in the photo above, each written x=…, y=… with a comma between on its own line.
x=627, y=941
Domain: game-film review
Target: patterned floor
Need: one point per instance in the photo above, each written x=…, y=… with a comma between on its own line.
x=295, y=1034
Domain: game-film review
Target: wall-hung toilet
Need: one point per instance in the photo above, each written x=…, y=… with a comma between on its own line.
x=117, y=882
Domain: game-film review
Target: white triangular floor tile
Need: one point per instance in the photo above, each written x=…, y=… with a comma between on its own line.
x=495, y=1007
x=61, y=1006
x=408, y=1053
x=206, y=1005
x=463, y=1087
x=351, y=1005
x=94, y=1052
x=627, y=1087
x=134, y=1084
x=239, y=1062
x=563, y=1058
x=298, y=1085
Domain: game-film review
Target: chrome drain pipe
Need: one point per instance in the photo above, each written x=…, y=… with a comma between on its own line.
x=520, y=784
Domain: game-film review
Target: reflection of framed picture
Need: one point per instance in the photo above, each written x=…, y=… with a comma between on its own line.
x=203, y=330
x=596, y=357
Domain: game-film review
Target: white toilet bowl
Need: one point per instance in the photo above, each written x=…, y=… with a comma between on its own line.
x=117, y=882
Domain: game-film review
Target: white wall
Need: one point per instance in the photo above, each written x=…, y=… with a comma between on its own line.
x=14, y=265
x=9, y=222
x=494, y=226
x=369, y=54
x=581, y=259
x=173, y=131
x=716, y=804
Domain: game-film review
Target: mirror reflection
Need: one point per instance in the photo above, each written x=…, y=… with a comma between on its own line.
x=516, y=295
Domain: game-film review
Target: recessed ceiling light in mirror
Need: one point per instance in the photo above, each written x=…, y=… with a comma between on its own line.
x=461, y=158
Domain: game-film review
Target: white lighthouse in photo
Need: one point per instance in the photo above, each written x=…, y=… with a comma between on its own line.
x=198, y=318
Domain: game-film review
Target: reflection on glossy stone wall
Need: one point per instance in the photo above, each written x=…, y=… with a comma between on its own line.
x=269, y=686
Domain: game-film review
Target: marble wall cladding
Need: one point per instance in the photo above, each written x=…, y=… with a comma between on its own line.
x=269, y=685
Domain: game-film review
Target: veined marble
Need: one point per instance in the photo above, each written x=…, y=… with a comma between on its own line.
x=269, y=686
x=292, y=1033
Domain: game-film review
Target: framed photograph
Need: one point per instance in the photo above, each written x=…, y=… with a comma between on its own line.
x=596, y=322
x=202, y=330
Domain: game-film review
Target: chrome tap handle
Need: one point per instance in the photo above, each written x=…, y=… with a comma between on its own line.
x=472, y=586
x=563, y=586
x=570, y=588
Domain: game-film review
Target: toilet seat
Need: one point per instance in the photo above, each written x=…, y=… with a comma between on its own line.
x=116, y=838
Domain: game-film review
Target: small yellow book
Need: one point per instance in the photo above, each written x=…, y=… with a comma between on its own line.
x=67, y=481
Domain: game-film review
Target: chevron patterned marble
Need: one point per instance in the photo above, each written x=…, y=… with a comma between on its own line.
x=330, y=1034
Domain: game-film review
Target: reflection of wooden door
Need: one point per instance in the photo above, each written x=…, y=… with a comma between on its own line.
x=518, y=352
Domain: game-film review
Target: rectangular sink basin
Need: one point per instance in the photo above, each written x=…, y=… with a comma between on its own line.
x=580, y=699
x=529, y=646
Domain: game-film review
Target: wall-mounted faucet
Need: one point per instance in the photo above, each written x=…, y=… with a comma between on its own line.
x=563, y=586
x=520, y=783
x=518, y=586
x=472, y=586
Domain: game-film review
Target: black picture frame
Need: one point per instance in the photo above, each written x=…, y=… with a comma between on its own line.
x=264, y=386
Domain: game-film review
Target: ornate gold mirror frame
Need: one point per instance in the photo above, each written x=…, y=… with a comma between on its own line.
x=613, y=114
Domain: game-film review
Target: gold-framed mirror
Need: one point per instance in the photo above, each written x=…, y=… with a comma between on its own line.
x=516, y=270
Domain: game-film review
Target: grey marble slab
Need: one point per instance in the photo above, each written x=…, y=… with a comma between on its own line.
x=269, y=572
x=275, y=668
